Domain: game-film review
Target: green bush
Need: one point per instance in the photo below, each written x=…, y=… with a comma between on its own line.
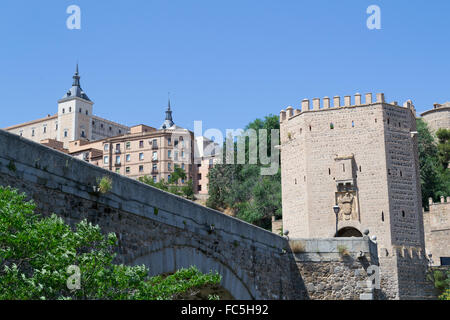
x=35, y=254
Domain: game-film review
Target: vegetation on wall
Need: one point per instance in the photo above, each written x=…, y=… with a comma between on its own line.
x=38, y=258
x=441, y=281
x=242, y=190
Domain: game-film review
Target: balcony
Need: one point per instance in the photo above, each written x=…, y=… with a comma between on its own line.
x=117, y=151
x=154, y=171
x=154, y=147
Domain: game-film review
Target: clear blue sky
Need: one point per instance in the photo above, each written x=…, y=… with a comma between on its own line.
x=224, y=62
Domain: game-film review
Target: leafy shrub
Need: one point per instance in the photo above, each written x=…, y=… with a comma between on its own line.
x=35, y=254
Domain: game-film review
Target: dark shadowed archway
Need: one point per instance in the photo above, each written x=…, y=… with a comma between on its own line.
x=349, y=232
x=170, y=259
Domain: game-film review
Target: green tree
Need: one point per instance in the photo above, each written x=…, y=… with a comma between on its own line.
x=172, y=186
x=433, y=178
x=443, y=136
x=35, y=254
x=241, y=188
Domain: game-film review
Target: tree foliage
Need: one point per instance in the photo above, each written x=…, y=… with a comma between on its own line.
x=186, y=190
x=35, y=254
x=242, y=189
x=434, y=174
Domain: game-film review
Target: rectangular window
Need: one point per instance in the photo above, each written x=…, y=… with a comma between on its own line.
x=155, y=156
x=106, y=160
x=155, y=179
x=128, y=157
x=45, y=129
x=182, y=154
x=127, y=170
x=117, y=159
x=118, y=170
x=199, y=176
x=32, y=133
x=169, y=166
x=83, y=134
x=141, y=144
x=155, y=143
x=141, y=168
x=176, y=155
x=128, y=145
x=155, y=167
x=118, y=147
x=65, y=133
x=169, y=141
x=169, y=154
x=141, y=156
x=106, y=147
x=182, y=166
x=199, y=187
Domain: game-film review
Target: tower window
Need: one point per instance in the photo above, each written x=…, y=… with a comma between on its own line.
x=382, y=216
x=331, y=126
x=80, y=110
x=403, y=213
x=65, y=133
x=87, y=112
x=70, y=109
x=343, y=167
x=32, y=133
x=63, y=110
x=359, y=168
x=353, y=124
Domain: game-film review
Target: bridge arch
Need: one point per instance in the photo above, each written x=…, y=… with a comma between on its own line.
x=171, y=259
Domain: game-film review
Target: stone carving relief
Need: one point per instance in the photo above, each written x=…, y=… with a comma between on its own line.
x=348, y=204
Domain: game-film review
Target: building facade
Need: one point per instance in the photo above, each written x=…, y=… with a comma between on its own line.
x=363, y=158
x=135, y=152
x=74, y=121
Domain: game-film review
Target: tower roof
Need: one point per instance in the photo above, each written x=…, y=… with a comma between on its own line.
x=76, y=90
x=168, y=123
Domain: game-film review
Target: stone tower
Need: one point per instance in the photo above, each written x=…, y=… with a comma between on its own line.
x=75, y=114
x=438, y=117
x=364, y=159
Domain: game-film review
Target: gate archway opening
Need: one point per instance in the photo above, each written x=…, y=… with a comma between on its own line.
x=349, y=232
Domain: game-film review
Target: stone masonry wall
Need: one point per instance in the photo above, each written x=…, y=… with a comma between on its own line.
x=437, y=230
x=370, y=150
x=166, y=232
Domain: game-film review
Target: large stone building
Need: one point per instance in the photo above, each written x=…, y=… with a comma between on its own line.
x=361, y=157
x=131, y=151
x=438, y=117
x=74, y=121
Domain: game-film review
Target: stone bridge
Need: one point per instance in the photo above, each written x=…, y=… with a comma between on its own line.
x=166, y=232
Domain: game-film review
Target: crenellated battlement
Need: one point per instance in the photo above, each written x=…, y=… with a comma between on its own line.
x=325, y=104
x=443, y=201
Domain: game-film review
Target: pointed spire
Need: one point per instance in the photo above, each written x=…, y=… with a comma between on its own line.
x=76, y=78
x=169, y=120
